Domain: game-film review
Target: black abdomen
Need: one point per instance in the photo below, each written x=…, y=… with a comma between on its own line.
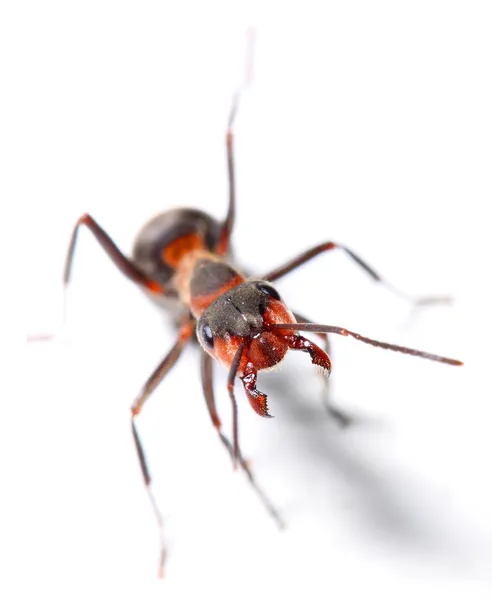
x=165, y=238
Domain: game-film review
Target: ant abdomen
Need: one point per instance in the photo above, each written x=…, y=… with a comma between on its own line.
x=167, y=238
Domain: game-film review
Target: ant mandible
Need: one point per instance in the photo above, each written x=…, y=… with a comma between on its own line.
x=184, y=255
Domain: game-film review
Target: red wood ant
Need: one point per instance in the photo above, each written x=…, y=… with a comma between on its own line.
x=183, y=257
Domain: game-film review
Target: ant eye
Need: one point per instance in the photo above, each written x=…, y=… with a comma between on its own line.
x=268, y=290
x=206, y=335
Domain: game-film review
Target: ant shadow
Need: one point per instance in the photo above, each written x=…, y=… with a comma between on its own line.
x=384, y=506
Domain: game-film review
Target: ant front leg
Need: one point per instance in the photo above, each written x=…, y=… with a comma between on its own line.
x=342, y=418
x=154, y=380
x=326, y=247
x=207, y=384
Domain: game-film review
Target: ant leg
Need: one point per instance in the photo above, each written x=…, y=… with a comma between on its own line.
x=342, y=418
x=158, y=515
x=157, y=376
x=224, y=241
x=125, y=265
x=185, y=332
x=207, y=384
x=312, y=252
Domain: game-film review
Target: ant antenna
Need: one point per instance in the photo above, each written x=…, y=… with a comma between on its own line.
x=223, y=243
x=248, y=74
x=341, y=331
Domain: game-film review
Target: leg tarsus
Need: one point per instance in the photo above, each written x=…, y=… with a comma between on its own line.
x=154, y=380
x=157, y=513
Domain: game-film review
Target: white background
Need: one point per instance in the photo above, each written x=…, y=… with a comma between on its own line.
x=367, y=123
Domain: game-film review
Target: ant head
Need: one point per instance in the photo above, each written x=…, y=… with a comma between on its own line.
x=242, y=315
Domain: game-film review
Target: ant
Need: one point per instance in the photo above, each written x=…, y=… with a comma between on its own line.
x=183, y=257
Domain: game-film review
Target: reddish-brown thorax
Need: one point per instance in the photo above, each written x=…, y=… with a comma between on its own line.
x=241, y=314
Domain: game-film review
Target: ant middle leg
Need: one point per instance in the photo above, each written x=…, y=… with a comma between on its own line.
x=154, y=380
x=207, y=384
x=326, y=247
